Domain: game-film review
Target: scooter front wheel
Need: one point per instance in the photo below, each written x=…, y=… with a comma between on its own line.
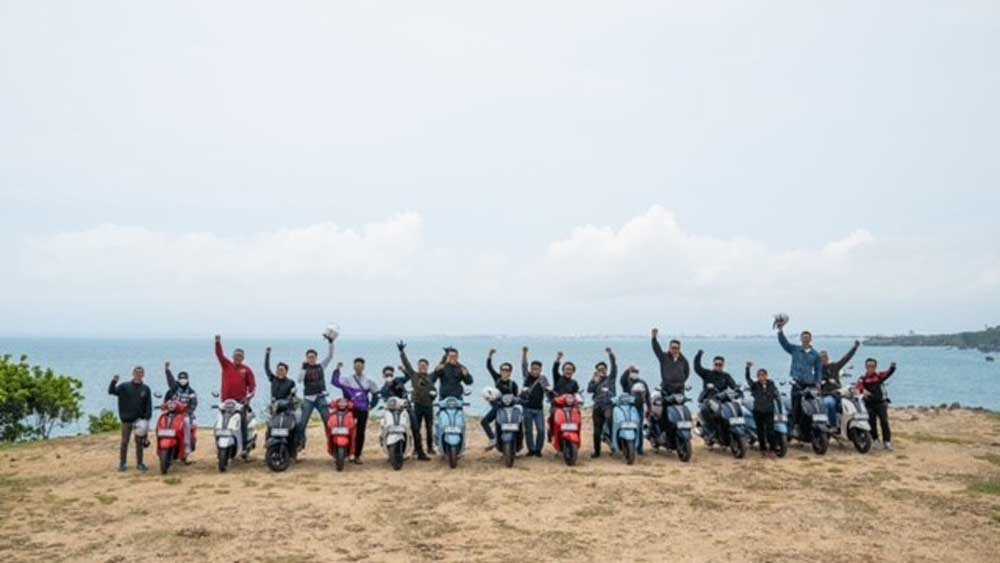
x=862, y=440
x=452, y=452
x=339, y=457
x=166, y=458
x=629, y=449
x=396, y=455
x=820, y=441
x=738, y=445
x=782, y=450
x=684, y=450
x=508, y=454
x=570, y=453
x=278, y=457
x=223, y=460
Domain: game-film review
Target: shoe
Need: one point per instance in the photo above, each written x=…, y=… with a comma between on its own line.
x=122, y=467
x=492, y=444
x=888, y=447
x=763, y=453
x=876, y=445
x=431, y=451
x=423, y=457
x=357, y=461
x=188, y=462
x=350, y=458
x=772, y=455
x=142, y=467
x=595, y=455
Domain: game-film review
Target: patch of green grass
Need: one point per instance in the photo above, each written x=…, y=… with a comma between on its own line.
x=106, y=499
x=922, y=437
x=702, y=503
x=990, y=458
x=988, y=486
x=222, y=491
x=171, y=480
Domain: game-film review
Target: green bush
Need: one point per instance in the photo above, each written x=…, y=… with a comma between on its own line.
x=33, y=400
x=106, y=421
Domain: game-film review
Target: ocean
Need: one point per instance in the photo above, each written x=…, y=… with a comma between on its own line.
x=925, y=376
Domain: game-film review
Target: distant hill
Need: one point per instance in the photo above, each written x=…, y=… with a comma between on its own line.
x=984, y=340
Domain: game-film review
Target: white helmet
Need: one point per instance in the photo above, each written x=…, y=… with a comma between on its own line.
x=638, y=389
x=491, y=394
x=332, y=331
x=780, y=319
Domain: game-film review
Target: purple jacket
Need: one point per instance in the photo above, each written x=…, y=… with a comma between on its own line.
x=357, y=390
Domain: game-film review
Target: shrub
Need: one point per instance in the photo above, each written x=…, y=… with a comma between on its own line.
x=33, y=400
x=106, y=421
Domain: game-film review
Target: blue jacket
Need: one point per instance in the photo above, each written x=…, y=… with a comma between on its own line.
x=807, y=367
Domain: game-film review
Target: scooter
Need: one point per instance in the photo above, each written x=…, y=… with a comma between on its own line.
x=449, y=432
x=509, y=427
x=780, y=426
x=396, y=437
x=566, y=424
x=281, y=437
x=229, y=440
x=852, y=424
x=340, y=430
x=625, y=429
x=729, y=425
x=817, y=431
x=170, y=444
x=679, y=423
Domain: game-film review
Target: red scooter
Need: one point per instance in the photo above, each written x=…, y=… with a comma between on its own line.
x=170, y=445
x=565, y=429
x=340, y=431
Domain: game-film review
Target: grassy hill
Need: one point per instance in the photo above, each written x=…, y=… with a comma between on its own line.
x=984, y=340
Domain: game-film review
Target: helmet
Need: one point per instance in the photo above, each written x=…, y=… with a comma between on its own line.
x=780, y=319
x=638, y=389
x=491, y=394
x=331, y=331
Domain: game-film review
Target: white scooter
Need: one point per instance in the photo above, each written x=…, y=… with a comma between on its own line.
x=396, y=437
x=229, y=440
x=853, y=424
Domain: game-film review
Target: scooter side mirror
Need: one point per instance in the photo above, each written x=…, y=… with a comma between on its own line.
x=158, y=395
x=215, y=394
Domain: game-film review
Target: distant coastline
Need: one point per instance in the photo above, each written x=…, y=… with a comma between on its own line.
x=986, y=341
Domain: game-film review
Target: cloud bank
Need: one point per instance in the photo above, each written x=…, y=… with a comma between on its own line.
x=386, y=278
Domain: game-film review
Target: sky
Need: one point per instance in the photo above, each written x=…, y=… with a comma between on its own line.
x=522, y=168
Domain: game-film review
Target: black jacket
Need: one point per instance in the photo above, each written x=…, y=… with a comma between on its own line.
x=422, y=384
x=720, y=379
x=184, y=394
x=280, y=388
x=673, y=373
x=764, y=397
x=135, y=401
x=450, y=379
x=603, y=391
x=562, y=385
x=627, y=383
x=534, y=388
x=508, y=387
x=831, y=371
x=395, y=388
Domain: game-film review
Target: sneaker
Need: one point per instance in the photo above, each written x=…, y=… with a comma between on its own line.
x=876, y=445
x=764, y=453
x=772, y=455
x=357, y=461
x=142, y=467
x=122, y=467
x=594, y=455
x=888, y=447
x=423, y=457
x=492, y=444
x=431, y=451
x=350, y=458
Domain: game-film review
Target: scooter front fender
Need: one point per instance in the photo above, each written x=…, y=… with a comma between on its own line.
x=627, y=435
x=508, y=437
x=860, y=424
x=225, y=442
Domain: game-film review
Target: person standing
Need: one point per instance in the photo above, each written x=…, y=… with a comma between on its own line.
x=312, y=376
x=872, y=384
x=765, y=395
x=602, y=390
x=806, y=369
x=363, y=393
x=534, y=386
x=135, y=408
x=423, y=400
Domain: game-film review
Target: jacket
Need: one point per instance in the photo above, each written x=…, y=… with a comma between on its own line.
x=673, y=373
x=135, y=401
x=237, y=381
x=807, y=367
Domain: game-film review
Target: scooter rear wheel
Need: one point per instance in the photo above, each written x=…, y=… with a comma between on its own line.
x=166, y=458
x=629, y=449
x=508, y=454
x=339, y=457
x=570, y=453
x=278, y=457
x=820, y=442
x=684, y=450
x=862, y=440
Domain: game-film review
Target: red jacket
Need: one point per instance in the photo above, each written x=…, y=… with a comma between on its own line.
x=237, y=381
x=873, y=384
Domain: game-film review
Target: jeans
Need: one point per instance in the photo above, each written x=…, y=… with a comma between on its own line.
x=879, y=412
x=487, y=423
x=319, y=403
x=189, y=423
x=534, y=429
x=123, y=449
x=832, y=404
x=424, y=414
x=766, y=438
x=642, y=437
x=361, y=420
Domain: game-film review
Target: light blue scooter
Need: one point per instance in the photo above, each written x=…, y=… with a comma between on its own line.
x=449, y=434
x=626, y=428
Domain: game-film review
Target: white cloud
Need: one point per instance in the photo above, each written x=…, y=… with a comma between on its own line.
x=384, y=277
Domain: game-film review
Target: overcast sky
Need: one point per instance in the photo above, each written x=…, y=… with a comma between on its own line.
x=415, y=168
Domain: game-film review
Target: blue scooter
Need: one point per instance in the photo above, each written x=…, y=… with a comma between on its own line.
x=817, y=429
x=729, y=424
x=780, y=426
x=449, y=435
x=509, y=427
x=625, y=429
x=678, y=423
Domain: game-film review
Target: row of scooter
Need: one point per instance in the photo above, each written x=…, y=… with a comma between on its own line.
x=670, y=426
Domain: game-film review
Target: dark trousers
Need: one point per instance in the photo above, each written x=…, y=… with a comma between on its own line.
x=766, y=438
x=601, y=416
x=879, y=412
x=123, y=448
x=415, y=428
x=361, y=423
x=424, y=414
x=487, y=423
x=642, y=437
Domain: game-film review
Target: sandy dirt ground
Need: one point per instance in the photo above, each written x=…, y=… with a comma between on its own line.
x=934, y=499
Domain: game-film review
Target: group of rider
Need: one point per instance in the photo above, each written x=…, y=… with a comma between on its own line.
x=809, y=367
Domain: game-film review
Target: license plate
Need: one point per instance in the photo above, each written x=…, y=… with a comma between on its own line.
x=279, y=432
x=166, y=433
x=780, y=418
x=510, y=427
x=736, y=420
x=452, y=430
x=223, y=433
x=396, y=429
x=628, y=426
x=341, y=431
x=684, y=424
x=569, y=427
x=819, y=417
